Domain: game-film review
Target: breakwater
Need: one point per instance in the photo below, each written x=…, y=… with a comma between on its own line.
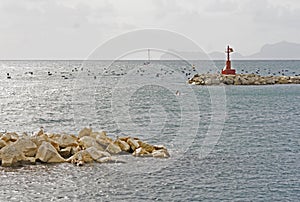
x=242, y=79
x=86, y=147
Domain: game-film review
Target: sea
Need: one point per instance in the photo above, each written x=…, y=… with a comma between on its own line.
x=227, y=143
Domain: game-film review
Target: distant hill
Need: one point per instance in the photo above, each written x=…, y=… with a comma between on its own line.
x=198, y=55
x=222, y=56
x=279, y=51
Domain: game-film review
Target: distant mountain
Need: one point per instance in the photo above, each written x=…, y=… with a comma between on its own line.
x=279, y=51
x=222, y=56
x=197, y=55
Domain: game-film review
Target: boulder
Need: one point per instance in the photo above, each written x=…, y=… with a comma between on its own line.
x=141, y=152
x=215, y=81
x=54, y=144
x=28, y=147
x=295, y=79
x=75, y=150
x=87, y=141
x=10, y=156
x=101, y=134
x=48, y=154
x=270, y=80
x=21, y=151
x=39, y=139
x=6, y=137
x=109, y=159
x=125, y=138
x=81, y=157
x=208, y=81
x=85, y=132
x=14, y=137
x=158, y=147
x=103, y=140
x=123, y=145
x=228, y=80
x=283, y=80
x=256, y=83
x=147, y=147
x=133, y=144
x=41, y=132
x=94, y=134
x=96, y=154
x=113, y=148
x=54, y=136
x=2, y=144
x=67, y=141
x=244, y=81
x=237, y=81
x=161, y=153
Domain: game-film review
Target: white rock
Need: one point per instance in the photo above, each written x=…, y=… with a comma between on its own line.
x=96, y=154
x=27, y=146
x=85, y=132
x=162, y=153
x=2, y=143
x=113, y=148
x=109, y=160
x=22, y=150
x=11, y=155
x=133, y=144
x=88, y=141
x=67, y=141
x=123, y=145
x=141, y=152
x=81, y=156
x=47, y=153
x=6, y=137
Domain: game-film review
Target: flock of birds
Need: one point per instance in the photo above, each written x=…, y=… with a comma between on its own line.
x=112, y=72
x=65, y=75
x=283, y=72
x=186, y=71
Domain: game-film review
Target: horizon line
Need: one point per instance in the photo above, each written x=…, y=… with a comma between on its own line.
x=215, y=59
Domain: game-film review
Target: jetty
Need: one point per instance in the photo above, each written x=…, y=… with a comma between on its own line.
x=228, y=76
x=87, y=146
x=241, y=79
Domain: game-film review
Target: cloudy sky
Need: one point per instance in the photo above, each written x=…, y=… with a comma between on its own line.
x=71, y=29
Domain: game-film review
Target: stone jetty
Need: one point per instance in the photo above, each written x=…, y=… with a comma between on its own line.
x=242, y=79
x=86, y=147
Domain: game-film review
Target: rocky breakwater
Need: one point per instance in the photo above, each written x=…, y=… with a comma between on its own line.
x=242, y=79
x=87, y=147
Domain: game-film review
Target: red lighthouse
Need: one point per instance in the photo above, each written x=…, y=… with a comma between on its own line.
x=227, y=69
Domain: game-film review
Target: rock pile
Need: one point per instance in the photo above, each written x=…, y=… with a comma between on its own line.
x=242, y=79
x=87, y=147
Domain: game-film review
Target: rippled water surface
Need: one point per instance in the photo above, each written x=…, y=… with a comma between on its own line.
x=233, y=143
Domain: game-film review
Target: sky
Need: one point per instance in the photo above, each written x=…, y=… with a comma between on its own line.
x=72, y=29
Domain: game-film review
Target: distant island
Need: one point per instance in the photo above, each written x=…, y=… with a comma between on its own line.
x=279, y=51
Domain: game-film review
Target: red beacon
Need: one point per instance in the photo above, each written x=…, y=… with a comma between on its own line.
x=227, y=69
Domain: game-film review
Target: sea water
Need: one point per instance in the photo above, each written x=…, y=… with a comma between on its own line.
x=233, y=143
